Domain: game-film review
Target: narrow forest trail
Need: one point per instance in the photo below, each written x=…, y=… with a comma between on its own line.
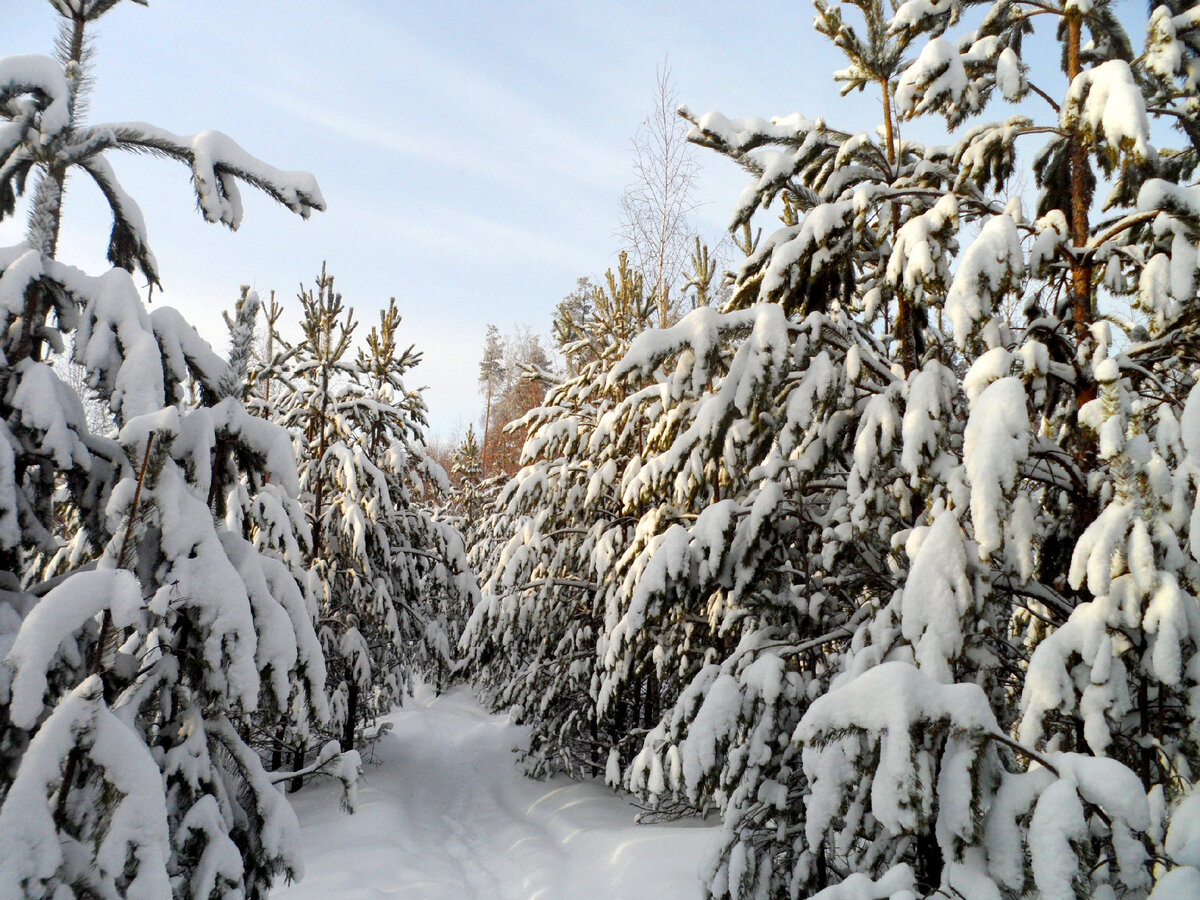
x=445, y=812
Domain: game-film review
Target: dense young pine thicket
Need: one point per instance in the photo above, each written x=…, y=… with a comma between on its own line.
x=559, y=527
x=170, y=589
x=901, y=582
x=390, y=578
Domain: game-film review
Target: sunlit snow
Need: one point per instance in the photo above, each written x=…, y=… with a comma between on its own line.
x=444, y=811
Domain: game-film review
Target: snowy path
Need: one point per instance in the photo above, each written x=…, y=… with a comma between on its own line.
x=444, y=812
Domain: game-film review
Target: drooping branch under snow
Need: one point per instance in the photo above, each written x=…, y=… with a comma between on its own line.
x=216, y=160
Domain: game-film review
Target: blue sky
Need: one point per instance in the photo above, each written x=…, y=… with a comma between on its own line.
x=472, y=154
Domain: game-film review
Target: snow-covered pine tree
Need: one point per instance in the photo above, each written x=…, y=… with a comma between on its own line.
x=134, y=658
x=569, y=315
x=388, y=574
x=274, y=520
x=432, y=582
x=785, y=459
x=1077, y=494
x=1012, y=715
x=185, y=624
x=1117, y=546
x=468, y=508
x=467, y=500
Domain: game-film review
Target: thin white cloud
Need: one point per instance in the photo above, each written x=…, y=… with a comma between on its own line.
x=400, y=95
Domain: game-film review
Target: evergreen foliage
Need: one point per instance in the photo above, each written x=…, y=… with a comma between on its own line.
x=469, y=497
x=149, y=612
x=900, y=583
x=387, y=573
x=907, y=588
x=558, y=526
x=988, y=477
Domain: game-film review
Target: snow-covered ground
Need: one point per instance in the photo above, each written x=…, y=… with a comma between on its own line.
x=445, y=812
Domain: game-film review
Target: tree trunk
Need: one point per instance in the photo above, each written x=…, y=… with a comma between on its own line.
x=487, y=422
x=351, y=718
x=277, y=750
x=322, y=446
x=297, y=764
x=929, y=861
x=889, y=128
x=906, y=335
x=1081, y=272
x=45, y=225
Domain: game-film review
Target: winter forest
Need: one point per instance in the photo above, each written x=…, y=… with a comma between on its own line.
x=844, y=554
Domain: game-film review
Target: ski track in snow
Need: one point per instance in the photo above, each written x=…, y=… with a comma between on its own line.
x=445, y=812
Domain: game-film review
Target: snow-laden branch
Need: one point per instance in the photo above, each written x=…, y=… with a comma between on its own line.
x=43, y=78
x=217, y=162
x=128, y=244
x=56, y=617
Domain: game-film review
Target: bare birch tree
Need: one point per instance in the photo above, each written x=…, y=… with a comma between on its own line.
x=656, y=207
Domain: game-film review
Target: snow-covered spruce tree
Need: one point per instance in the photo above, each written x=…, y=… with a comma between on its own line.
x=558, y=529
x=388, y=574
x=1011, y=715
x=130, y=673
